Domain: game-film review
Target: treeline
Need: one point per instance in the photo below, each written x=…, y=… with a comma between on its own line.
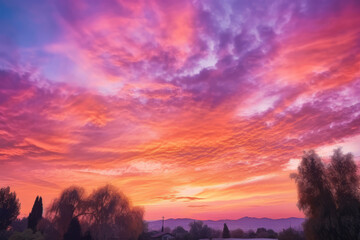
x=329, y=196
x=200, y=231
x=104, y=214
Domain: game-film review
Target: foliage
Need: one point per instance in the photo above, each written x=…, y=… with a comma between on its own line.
x=35, y=214
x=345, y=186
x=226, y=232
x=329, y=196
x=106, y=213
x=112, y=214
x=237, y=233
x=63, y=209
x=291, y=234
x=9, y=207
x=216, y=233
x=48, y=229
x=19, y=225
x=265, y=233
x=145, y=235
x=74, y=230
x=198, y=230
x=87, y=236
x=180, y=233
x=4, y=235
x=250, y=234
x=28, y=234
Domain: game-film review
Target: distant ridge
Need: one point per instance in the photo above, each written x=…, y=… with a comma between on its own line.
x=245, y=223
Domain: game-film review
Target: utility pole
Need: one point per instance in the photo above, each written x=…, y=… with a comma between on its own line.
x=162, y=228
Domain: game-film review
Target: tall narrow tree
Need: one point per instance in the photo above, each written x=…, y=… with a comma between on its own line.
x=226, y=232
x=35, y=214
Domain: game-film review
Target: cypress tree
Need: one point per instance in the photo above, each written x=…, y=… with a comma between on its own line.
x=35, y=214
x=226, y=232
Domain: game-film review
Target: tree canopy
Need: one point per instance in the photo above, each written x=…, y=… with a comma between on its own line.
x=106, y=213
x=74, y=230
x=9, y=207
x=199, y=230
x=329, y=196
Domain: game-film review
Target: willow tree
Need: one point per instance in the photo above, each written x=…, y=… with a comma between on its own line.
x=106, y=213
x=70, y=204
x=112, y=215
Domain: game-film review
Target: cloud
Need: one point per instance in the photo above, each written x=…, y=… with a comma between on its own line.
x=137, y=167
x=198, y=206
x=292, y=164
x=183, y=199
x=200, y=101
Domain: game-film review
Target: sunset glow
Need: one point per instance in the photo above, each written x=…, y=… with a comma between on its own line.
x=196, y=109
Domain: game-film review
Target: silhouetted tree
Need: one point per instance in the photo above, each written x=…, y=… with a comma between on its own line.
x=260, y=231
x=329, y=196
x=345, y=184
x=35, y=214
x=216, y=233
x=107, y=213
x=70, y=204
x=19, y=225
x=316, y=199
x=180, y=233
x=250, y=234
x=198, y=230
x=9, y=207
x=112, y=215
x=265, y=233
x=271, y=234
x=87, y=236
x=206, y=232
x=195, y=228
x=5, y=235
x=48, y=229
x=237, y=233
x=145, y=234
x=74, y=230
x=291, y=234
x=226, y=232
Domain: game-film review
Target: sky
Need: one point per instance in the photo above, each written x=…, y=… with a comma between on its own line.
x=194, y=109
